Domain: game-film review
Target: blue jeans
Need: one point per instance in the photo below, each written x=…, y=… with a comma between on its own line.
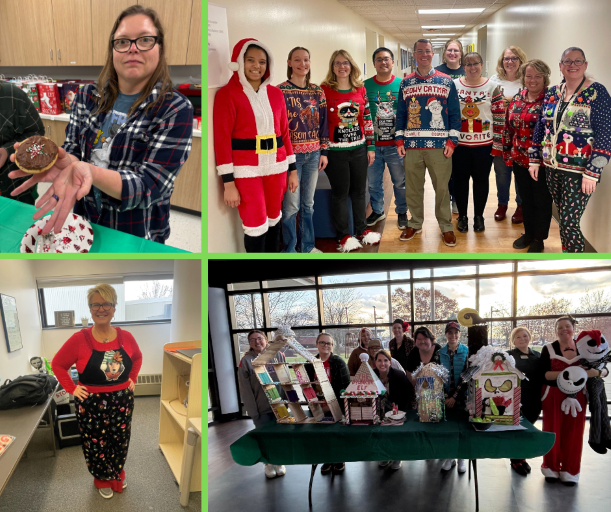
x=503, y=181
x=375, y=175
x=302, y=202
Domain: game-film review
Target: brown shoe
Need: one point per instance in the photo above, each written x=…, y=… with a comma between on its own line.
x=517, y=217
x=501, y=212
x=449, y=238
x=409, y=233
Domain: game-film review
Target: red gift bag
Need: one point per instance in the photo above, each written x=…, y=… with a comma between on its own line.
x=48, y=95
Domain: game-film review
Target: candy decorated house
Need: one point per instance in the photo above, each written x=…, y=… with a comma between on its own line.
x=293, y=378
x=429, y=391
x=363, y=395
x=494, y=386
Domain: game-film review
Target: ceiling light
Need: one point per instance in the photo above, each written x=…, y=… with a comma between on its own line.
x=442, y=26
x=450, y=11
x=436, y=34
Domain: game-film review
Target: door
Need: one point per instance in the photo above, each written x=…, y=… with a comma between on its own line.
x=11, y=53
x=482, y=47
x=36, y=32
x=72, y=23
x=103, y=16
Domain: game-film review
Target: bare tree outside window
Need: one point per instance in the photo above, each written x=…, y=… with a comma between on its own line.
x=155, y=290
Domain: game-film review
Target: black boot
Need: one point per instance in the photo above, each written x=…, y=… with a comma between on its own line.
x=255, y=243
x=462, y=224
x=478, y=224
x=272, y=240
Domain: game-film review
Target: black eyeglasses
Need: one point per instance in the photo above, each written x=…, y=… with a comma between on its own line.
x=144, y=43
x=96, y=307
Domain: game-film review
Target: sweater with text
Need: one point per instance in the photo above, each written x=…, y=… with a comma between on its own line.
x=382, y=98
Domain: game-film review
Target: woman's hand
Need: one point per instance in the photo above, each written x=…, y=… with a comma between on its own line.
x=593, y=372
x=131, y=386
x=322, y=163
x=588, y=186
x=293, y=181
x=534, y=172
x=63, y=161
x=231, y=196
x=81, y=393
x=450, y=402
x=371, y=156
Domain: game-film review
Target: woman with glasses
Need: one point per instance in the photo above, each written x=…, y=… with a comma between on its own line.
x=128, y=137
x=508, y=78
x=108, y=360
x=482, y=120
x=339, y=378
x=351, y=149
x=573, y=141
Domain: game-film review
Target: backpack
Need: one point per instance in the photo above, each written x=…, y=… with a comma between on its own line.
x=27, y=390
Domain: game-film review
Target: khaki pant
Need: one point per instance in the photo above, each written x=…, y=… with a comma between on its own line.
x=416, y=162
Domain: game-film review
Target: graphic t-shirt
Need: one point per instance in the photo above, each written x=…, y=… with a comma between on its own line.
x=382, y=98
x=453, y=73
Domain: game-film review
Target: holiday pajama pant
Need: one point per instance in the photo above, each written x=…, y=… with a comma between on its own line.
x=105, y=420
x=565, y=455
x=570, y=202
x=600, y=430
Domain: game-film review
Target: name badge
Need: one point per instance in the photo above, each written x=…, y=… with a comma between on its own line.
x=523, y=357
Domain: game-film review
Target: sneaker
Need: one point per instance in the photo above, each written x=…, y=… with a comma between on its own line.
x=523, y=242
x=349, y=243
x=551, y=479
x=106, y=492
x=396, y=464
x=462, y=468
x=339, y=467
x=598, y=448
x=526, y=466
x=326, y=468
x=270, y=471
x=517, y=217
x=454, y=208
x=449, y=238
x=536, y=246
x=448, y=464
x=315, y=251
x=519, y=468
x=370, y=237
x=384, y=463
x=462, y=224
x=501, y=213
x=374, y=218
x=280, y=470
x=402, y=221
x=478, y=224
x=408, y=234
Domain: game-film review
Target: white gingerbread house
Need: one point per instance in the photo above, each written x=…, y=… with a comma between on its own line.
x=294, y=380
x=361, y=397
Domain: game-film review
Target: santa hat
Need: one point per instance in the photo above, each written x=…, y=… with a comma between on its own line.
x=594, y=334
x=237, y=60
x=405, y=326
x=430, y=100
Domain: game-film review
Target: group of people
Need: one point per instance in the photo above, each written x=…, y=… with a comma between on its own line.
x=395, y=365
x=450, y=120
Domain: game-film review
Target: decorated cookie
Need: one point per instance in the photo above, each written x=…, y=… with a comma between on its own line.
x=36, y=154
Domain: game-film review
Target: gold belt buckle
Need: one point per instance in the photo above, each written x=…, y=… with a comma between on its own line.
x=260, y=151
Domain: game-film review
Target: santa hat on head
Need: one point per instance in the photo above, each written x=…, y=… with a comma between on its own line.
x=237, y=60
x=430, y=100
x=594, y=334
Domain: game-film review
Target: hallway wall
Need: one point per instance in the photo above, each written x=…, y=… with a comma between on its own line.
x=543, y=29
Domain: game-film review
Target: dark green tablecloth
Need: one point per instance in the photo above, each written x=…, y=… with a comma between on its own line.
x=275, y=443
x=16, y=218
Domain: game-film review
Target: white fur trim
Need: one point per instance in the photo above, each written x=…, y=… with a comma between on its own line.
x=545, y=394
x=273, y=222
x=372, y=238
x=567, y=477
x=240, y=63
x=256, y=231
x=254, y=171
x=234, y=66
x=548, y=472
x=291, y=159
x=346, y=144
x=352, y=244
x=224, y=169
x=364, y=357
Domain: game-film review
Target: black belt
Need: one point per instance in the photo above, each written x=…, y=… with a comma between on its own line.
x=266, y=144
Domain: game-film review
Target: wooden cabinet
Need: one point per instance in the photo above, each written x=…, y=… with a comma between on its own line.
x=188, y=186
x=103, y=16
x=37, y=35
x=194, y=52
x=72, y=23
x=58, y=131
x=11, y=53
x=174, y=416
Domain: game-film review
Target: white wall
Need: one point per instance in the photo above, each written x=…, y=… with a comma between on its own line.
x=543, y=29
x=17, y=281
x=322, y=26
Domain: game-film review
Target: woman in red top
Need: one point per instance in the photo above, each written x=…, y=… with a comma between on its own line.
x=522, y=116
x=108, y=361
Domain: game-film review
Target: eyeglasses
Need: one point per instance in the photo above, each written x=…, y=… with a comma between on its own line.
x=510, y=59
x=387, y=59
x=471, y=64
x=344, y=64
x=144, y=43
x=569, y=62
x=426, y=52
x=96, y=307
x=257, y=338
x=453, y=51
x=325, y=343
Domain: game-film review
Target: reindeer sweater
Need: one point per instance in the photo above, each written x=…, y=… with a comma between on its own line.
x=428, y=113
x=307, y=114
x=382, y=98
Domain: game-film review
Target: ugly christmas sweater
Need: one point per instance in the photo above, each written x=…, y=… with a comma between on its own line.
x=520, y=121
x=349, y=119
x=482, y=115
x=382, y=98
x=428, y=113
x=580, y=142
x=79, y=349
x=306, y=108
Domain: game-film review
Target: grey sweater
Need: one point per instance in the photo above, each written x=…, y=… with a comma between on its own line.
x=253, y=396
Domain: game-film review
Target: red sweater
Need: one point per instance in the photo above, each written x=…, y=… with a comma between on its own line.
x=78, y=350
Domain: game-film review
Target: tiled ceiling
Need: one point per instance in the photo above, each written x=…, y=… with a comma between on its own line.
x=400, y=18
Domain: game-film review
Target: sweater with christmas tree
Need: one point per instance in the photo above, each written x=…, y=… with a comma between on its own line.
x=382, y=98
x=428, y=113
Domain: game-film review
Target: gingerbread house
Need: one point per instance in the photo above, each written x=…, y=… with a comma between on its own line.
x=429, y=391
x=362, y=396
x=293, y=378
x=494, y=386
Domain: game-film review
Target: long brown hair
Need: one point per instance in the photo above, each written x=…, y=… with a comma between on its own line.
x=355, y=72
x=108, y=82
x=289, y=69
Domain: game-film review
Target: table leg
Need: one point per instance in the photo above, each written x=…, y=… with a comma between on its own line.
x=474, y=461
x=469, y=469
x=314, y=466
x=52, y=427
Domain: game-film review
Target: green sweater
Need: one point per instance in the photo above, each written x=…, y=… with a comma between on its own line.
x=382, y=98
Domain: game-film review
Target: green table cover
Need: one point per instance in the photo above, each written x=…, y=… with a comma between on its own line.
x=16, y=218
x=275, y=443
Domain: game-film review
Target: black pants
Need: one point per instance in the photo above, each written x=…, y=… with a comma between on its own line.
x=347, y=172
x=600, y=430
x=471, y=163
x=536, y=202
x=267, y=242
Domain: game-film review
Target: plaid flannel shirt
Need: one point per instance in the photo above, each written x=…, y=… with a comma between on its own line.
x=148, y=152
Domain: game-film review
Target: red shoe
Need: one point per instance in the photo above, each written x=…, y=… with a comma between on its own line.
x=517, y=217
x=500, y=213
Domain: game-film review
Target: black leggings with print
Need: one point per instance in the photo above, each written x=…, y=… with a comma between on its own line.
x=105, y=421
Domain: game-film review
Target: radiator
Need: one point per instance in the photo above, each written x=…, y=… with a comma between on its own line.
x=148, y=385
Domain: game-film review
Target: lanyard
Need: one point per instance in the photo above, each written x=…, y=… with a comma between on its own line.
x=566, y=104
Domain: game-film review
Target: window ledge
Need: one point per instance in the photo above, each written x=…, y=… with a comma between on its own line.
x=119, y=324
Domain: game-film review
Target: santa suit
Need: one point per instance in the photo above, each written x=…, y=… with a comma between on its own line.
x=564, y=459
x=252, y=144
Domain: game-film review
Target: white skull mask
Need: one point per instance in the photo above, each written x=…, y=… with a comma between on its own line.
x=572, y=380
x=590, y=351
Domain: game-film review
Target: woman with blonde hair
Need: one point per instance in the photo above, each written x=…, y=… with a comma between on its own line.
x=354, y=361
x=508, y=78
x=129, y=135
x=451, y=59
x=351, y=149
x=108, y=360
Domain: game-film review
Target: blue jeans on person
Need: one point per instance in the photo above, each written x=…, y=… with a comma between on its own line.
x=503, y=181
x=302, y=202
x=375, y=175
